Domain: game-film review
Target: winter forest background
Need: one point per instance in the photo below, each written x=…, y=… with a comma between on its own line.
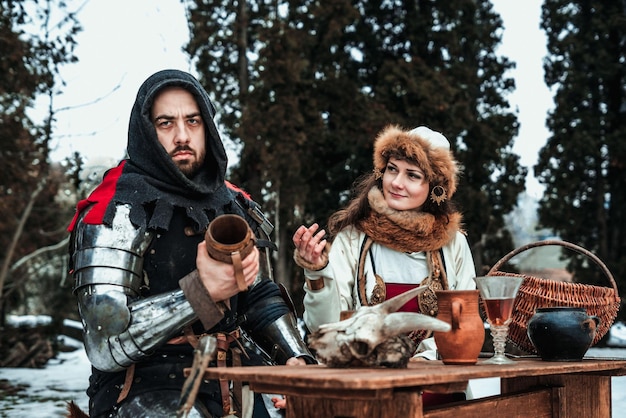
x=302, y=88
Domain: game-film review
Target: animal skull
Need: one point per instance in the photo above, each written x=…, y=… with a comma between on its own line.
x=374, y=336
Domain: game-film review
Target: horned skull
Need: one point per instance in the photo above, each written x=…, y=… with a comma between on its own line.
x=375, y=336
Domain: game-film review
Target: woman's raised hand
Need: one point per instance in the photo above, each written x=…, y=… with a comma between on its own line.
x=310, y=243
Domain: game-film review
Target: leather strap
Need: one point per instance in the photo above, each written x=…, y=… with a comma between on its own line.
x=316, y=284
x=189, y=337
x=439, y=265
x=367, y=243
x=202, y=355
x=237, y=385
x=222, y=349
x=241, y=280
x=223, y=345
x=128, y=381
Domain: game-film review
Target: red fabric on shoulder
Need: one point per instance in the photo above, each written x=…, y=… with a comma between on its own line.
x=101, y=196
x=237, y=189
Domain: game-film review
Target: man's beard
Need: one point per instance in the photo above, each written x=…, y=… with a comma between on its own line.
x=189, y=167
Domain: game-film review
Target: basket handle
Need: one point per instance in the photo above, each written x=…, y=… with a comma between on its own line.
x=566, y=244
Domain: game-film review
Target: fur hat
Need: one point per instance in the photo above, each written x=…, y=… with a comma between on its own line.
x=428, y=149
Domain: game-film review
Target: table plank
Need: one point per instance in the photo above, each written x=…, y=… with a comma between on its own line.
x=419, y=373
x=542, y=402
x=529, y=386
x=579, y=392
x=403, y=404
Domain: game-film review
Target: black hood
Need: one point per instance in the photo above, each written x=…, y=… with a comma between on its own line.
x=151, y=183
x=147, y=154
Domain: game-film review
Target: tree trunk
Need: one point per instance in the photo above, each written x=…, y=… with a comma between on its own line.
x=16, y=237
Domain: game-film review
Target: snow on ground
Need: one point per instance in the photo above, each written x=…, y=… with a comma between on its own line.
x=46, y=391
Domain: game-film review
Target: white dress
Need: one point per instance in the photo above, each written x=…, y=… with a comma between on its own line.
x=340, y=291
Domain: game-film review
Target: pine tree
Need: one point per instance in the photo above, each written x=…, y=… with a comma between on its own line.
x=29, y=184
x=306, y=86
x=582, y=164
x=434, y=63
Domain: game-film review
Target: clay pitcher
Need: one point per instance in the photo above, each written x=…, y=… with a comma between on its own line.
x=462, y=344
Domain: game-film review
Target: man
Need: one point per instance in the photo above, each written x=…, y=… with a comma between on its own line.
x=145, y=283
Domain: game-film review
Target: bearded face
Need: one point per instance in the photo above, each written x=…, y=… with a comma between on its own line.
x=187, y=159
x=180, y=128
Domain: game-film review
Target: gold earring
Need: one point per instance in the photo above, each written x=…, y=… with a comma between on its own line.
x=378, y=174
x=438, y=195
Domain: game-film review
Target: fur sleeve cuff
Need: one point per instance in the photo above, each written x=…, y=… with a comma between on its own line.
x=310, y=266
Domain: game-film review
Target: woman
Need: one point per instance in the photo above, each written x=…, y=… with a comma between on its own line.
x=400, y=231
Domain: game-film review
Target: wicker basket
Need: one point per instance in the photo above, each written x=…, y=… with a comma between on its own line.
x=534, y=292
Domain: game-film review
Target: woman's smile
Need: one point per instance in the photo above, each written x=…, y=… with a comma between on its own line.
x=405, y=186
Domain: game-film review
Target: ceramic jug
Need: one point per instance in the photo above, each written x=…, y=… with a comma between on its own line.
x=562, y=333
x=462, y=344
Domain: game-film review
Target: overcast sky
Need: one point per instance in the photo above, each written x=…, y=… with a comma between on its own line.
x=123, y=42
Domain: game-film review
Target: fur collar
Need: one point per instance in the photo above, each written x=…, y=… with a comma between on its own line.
x=407, y=230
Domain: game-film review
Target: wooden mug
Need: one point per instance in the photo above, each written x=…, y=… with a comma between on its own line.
x=229, y=239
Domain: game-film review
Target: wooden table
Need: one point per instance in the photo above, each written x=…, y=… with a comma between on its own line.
x=529, y=388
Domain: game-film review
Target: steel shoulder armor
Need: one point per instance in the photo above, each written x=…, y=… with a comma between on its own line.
x=118, y=328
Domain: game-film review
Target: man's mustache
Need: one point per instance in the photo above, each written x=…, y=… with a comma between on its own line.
x=181, y=148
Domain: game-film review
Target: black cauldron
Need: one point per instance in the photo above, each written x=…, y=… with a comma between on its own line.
x=562, y=333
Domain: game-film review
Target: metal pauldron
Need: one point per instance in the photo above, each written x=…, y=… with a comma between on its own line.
x=110, y=254
x=281, y=341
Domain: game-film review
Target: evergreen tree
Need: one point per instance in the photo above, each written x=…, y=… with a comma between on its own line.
x=37, y=38
x=582, y=164
x=307, y=85
x=285, y=106
x=434, y=63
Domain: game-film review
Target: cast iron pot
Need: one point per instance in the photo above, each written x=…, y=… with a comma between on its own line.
x=562, y=333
